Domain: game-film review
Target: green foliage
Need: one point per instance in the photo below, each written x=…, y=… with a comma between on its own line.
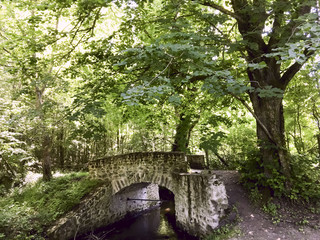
x=304, y=184
x=13, y=159
x=272, y=209
x=301, y=132
x=254, y=177
x=14, y=153
x=228, y=133
x=27, y=212
x=164, y=60
x=229, y=229
x=19, y=221
x=255, y=196
x=224, y=233
x=305, y=178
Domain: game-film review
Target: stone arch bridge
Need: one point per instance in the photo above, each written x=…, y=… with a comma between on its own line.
x=200, y=197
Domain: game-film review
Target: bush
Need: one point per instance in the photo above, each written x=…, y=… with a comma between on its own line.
x=253, y=176
x=304, y=182
x=305, y=178
x=18, y=221
x=26, y=213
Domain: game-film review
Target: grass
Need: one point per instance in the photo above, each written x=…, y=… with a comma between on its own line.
x=26, y=213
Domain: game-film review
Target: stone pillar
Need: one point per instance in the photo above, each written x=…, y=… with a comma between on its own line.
x=200, y=201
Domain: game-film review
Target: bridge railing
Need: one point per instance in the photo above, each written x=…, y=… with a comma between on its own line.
x=176, y=161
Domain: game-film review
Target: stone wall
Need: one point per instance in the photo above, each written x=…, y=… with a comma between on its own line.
x=122, y=206
x=103, y=208
x=202, y=201
x=200, y=198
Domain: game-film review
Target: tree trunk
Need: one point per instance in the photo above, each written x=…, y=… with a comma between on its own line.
x=252, y=18
x=46, y=141
x=298, y=142
x=46, y=159
x=206, y=151
x=272, y=144
x=318, y=139
x=183, y=133
x=61, y=149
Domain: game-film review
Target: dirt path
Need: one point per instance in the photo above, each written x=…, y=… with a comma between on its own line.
x=255, y=224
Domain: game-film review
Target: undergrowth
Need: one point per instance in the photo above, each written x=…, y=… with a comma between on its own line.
x=304, y=181
x=229, y=226
x=284, y=199
x=26, y=213
x=224, y=233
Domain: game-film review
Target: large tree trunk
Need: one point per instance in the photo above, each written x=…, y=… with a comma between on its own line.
x=252, y=18
x=183, y=133
x=270, y=134
x=268, y=111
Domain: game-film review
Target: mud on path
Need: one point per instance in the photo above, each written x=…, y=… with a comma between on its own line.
x=254, y=224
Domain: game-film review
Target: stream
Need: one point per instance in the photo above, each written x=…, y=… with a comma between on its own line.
x=154, y=224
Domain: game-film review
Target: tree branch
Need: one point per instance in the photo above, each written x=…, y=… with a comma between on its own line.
x=224, y=162
x=6, y=50
x=256, y=117
x=1, y=35
x=221, y=9
x=289, y=74
x=251, y=25
x=294, y=68
x=278, y=17
x=290, y=28
x=172, y=57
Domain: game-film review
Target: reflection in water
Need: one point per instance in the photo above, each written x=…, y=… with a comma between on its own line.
x=167, y=222
x=155, y=224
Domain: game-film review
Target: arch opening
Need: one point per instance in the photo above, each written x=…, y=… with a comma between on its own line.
x=143, y=219
x=168, y=205
x=134, y=199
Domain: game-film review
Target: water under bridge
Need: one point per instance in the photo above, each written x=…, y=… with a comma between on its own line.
x=200, y=197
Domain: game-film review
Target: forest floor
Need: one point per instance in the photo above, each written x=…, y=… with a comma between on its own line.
x=290, y=222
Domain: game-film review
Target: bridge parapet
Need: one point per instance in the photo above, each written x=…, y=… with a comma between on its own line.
x=133, y=162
